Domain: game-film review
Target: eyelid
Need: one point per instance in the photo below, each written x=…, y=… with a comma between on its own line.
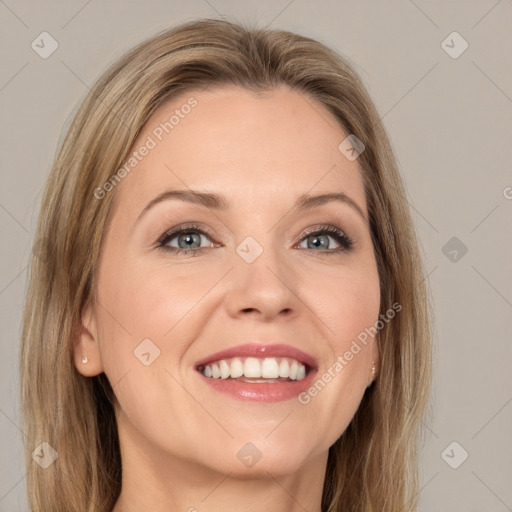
x=177, y=230
x=341, y=236
x=345, y=241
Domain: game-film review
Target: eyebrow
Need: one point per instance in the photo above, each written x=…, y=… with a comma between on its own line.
x=219, y=202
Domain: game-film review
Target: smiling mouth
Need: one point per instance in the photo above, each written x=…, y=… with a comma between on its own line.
x=256, y=370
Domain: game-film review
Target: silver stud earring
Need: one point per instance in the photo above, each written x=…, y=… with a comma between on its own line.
x=85, y=360
x=374, y=369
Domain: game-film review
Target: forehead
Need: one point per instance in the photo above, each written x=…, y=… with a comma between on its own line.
x=255, y=148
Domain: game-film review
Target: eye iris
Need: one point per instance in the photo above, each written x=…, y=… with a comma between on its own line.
x=188, y=237
x=319, y=241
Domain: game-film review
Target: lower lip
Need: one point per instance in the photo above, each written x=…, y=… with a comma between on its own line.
x=261, y=392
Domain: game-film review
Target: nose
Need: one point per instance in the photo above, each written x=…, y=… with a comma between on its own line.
x=264, y=288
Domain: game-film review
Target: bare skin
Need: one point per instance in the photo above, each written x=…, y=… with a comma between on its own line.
x=179, y=436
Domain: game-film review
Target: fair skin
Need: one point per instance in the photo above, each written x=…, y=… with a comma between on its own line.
x=179, y=436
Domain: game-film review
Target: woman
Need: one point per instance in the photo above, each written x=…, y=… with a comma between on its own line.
x=231, y=311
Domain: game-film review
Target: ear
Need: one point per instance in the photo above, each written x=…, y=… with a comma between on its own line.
x=86, y=344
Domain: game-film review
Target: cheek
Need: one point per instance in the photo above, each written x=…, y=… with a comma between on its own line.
x=140, y=303
x=347, y=302
x=348, y=305
x=145, y=321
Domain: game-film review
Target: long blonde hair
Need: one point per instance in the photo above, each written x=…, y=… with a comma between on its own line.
x=374, y=465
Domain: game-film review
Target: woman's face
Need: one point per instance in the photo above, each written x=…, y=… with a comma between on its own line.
x=268, y=284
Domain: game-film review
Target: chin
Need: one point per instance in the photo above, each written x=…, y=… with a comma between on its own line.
x=258, y=458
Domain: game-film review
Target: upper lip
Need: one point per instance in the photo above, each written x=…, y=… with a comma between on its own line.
x=261, y=350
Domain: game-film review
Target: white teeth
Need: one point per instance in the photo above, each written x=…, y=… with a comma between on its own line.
x=255, y=368
x=252, y=367
x=293, y=370
x=224, y=369
x=284, y=368
x=270, y=368
x=237, y=368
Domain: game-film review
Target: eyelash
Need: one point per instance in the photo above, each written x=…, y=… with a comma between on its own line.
x=346, y=243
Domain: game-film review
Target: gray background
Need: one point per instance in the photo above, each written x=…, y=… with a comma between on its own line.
x=450, y=122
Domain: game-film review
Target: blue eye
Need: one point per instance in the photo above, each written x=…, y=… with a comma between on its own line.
x=189, y=240
x=321, y=235
x=190, y=236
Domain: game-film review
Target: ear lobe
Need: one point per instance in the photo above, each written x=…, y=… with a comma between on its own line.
x=375, y=360
x=86, y=351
